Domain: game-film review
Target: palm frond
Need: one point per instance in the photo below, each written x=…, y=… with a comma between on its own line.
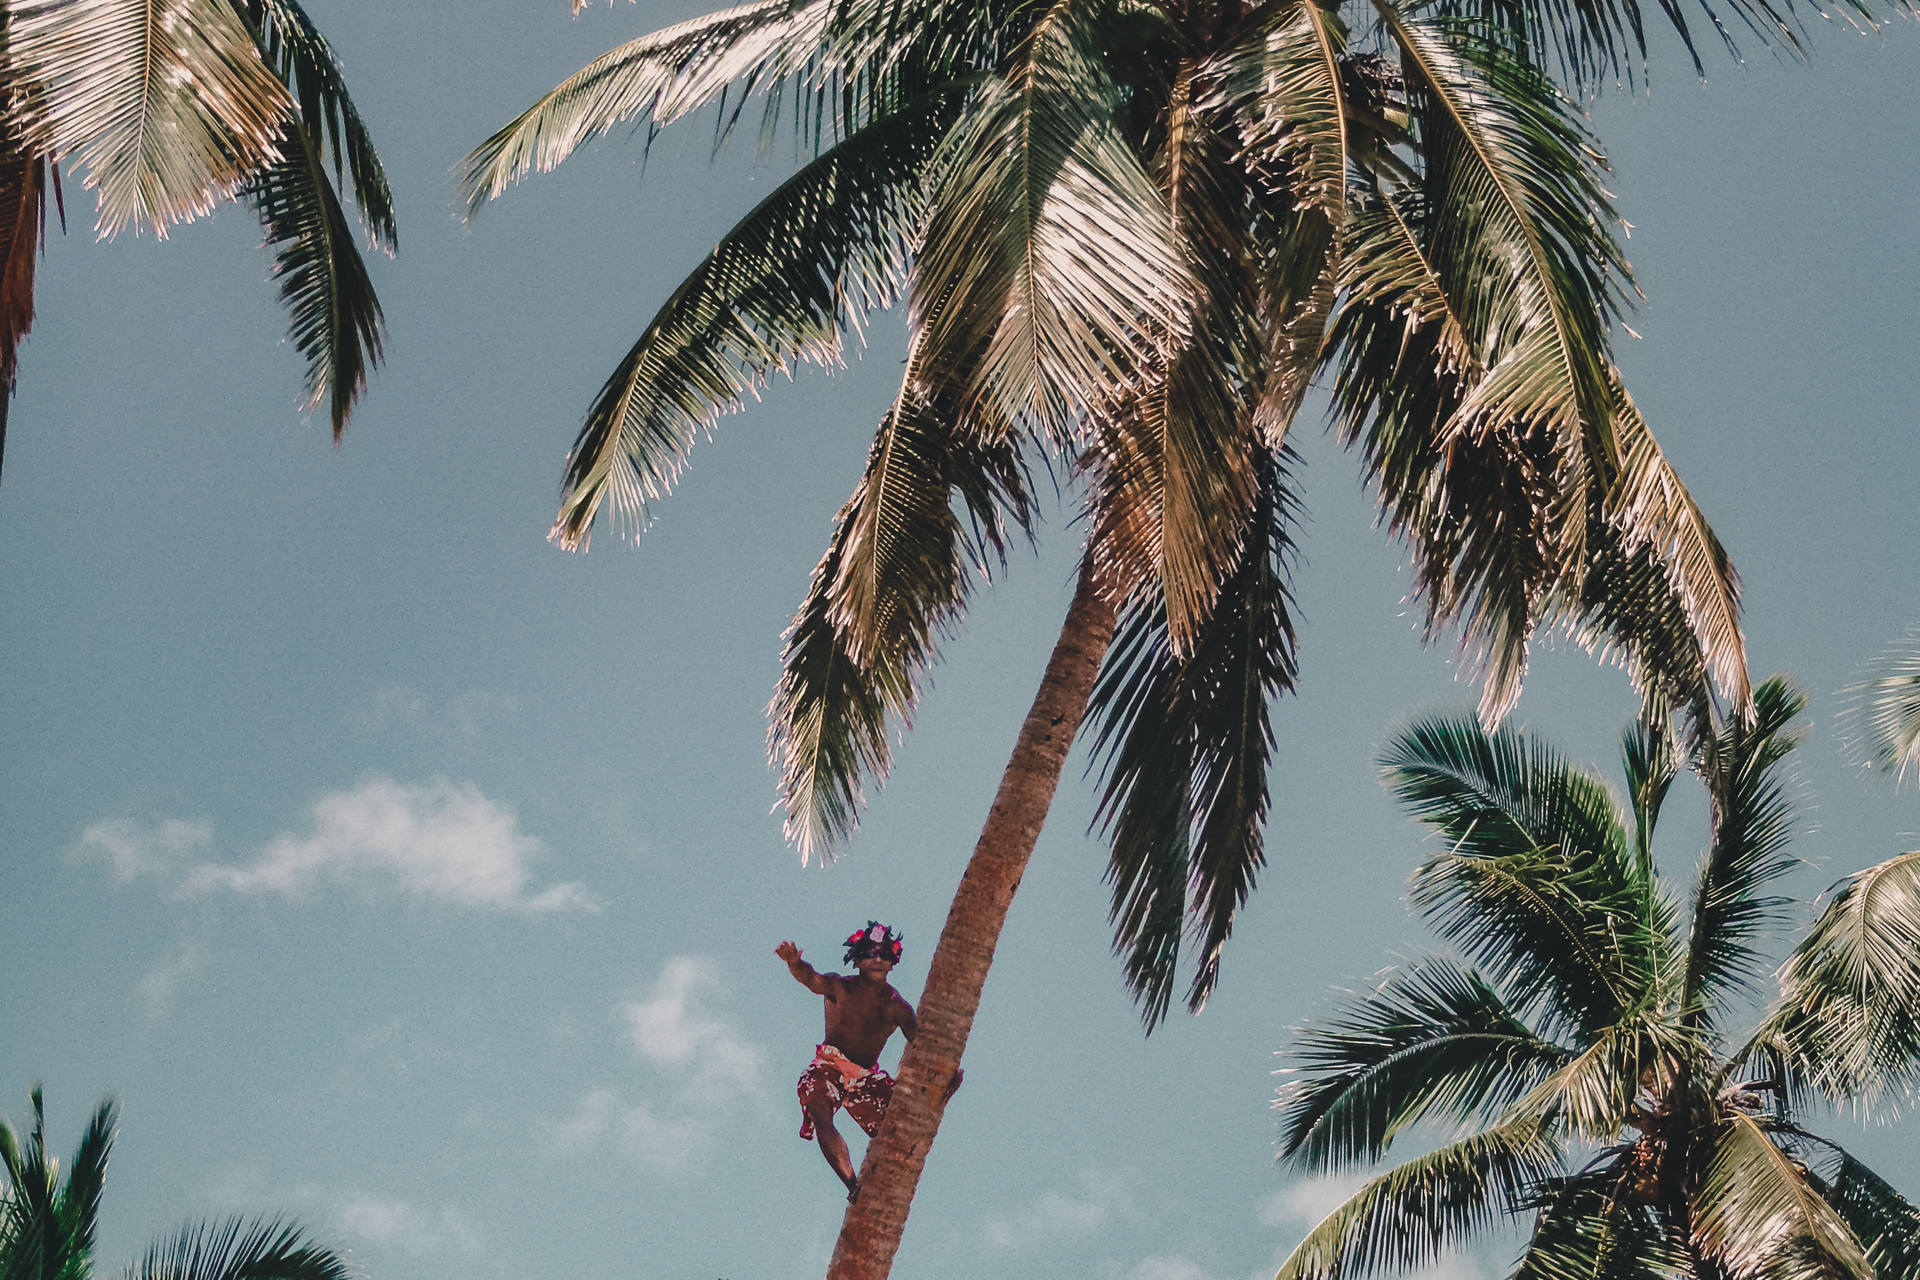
x=1433, y=1040
x=1647, y=756
x=240, y=1249
x=1586, y=1229
x=1049, y=277
x=1511, y=218
x=1755, y=1212
x=810, y=260
x=1538, y=883
x=1847, y=992
x=1594, y=1093
x=1186, y=739
x=296, y=51
x=659, y=78
x=1752, y=824
x=1886, y=1223
x=166, y=102
x=336, y=321
x=1408, y=1216
x=895, y=578
x=1884, y=714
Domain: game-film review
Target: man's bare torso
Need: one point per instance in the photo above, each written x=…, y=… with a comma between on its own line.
x=861, y=1014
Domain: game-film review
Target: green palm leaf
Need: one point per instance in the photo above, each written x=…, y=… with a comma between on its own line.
x=1885, y=712
x=1847, y=992
x=1049, y=274
x=304, y=61
x=23, y=217
x=813, y=257
x=337, y=323
x=1539, y=883
x=1886, y=1223
x=166, y=102
x=1186, y=740
x=1755, y=1212
x=1752, y=826
x=1433, y=1040
x=1407, y=1216
x=240, y=1250
x=659, y=77
x=1586, y=1229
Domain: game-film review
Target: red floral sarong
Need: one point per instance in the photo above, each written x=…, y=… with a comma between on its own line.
x=832, y=1075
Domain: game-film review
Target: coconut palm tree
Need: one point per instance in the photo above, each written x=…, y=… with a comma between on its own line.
x=47, y=1224
x=173, y=106
x=1130, y=236
x=1588, y=1047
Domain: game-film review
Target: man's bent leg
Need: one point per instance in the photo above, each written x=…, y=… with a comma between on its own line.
x=832, y=1145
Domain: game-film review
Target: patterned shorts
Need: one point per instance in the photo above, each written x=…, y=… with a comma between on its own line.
x=864, y=1099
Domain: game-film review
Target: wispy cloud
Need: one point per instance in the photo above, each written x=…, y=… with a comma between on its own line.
x=1055, y=1215
x=704, y=1070
x=459, y=721
x=402, y=1225
x=442, y=840
x=1167, y=1269
x=1303, y=1204
x=134, y=850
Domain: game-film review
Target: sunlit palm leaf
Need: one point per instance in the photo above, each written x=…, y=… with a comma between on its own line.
x=1886, y=1223
x=1406, y=1217
x=301, y=57
x=1433, y=1040
x=1885, y=711
x=1049, y=275
x=1593, y=1093
x=1186, y=741
x=166, y=102
x=658, y=78
x=240, y=1250
x=1513, y=222
x=1752, y=826
x=1755, y=1213
x=1848, y=992
x=826, y=247
x=336, y=319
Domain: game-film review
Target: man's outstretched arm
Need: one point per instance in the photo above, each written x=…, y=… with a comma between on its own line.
x=803, y=973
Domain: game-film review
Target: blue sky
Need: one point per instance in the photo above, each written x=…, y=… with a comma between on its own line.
x=403, y=873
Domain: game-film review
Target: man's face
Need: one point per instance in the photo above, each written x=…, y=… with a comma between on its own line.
x=874, y=966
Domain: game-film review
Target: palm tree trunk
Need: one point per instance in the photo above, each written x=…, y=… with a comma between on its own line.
x=958, y=971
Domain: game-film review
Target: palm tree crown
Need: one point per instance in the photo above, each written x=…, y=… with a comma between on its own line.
x=1589, y=1046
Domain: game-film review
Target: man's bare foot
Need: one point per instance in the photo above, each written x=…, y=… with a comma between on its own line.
x=853, y=1190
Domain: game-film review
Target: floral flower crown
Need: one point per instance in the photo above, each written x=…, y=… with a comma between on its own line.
x=875, y=940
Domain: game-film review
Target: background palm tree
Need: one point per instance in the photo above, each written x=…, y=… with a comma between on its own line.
x=1885, y=710
x=47, y=1224
x=1588, y=1049
x=173, y=106
x=1130, y=236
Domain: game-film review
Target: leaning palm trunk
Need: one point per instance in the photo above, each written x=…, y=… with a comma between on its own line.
x=870, y=1235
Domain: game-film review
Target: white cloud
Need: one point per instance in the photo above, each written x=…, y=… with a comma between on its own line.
x=705, y=1069
x=671, y=1028
x=400, y=1224
x=136, y=851
x=160, y=986
x=1167, y=1269
x=1054, y=1216
x=440, y=840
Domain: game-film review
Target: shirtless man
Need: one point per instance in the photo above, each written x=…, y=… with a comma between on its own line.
x=862, y=1012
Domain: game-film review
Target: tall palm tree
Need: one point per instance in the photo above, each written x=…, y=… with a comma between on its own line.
x=47, y=1225
x=1130, y=235
x=1588, y=1047
x=173, y=106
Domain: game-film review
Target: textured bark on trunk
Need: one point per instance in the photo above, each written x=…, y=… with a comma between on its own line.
x=871, y=1232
